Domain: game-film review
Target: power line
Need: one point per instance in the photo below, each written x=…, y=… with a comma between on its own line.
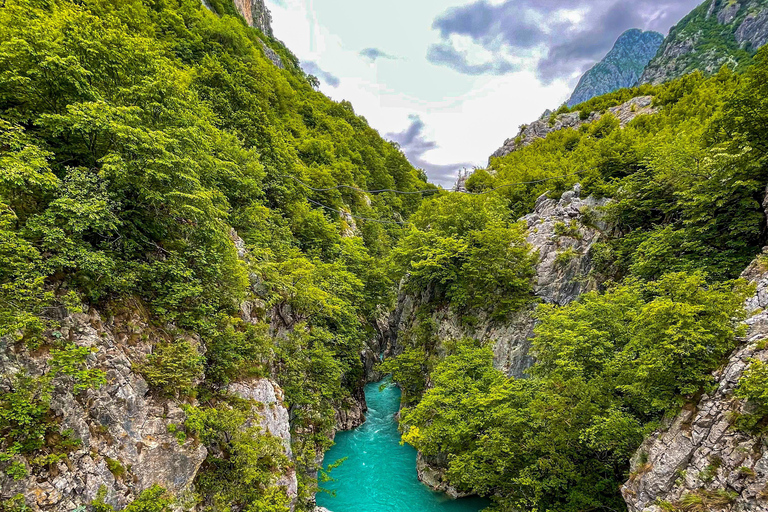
x=347, y=214
x=433, y=190
x=343, y=213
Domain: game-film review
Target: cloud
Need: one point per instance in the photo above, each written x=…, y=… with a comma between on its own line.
x=415, y=145
x=374, y=53
x=446, y=54
x=555, y=38
x=311, y=68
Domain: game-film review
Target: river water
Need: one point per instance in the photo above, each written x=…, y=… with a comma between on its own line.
x=379, y=474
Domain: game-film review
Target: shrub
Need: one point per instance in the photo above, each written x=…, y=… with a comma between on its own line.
x=173, y=368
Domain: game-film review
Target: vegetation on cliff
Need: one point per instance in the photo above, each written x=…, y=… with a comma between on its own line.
x=685, y=218
x=134, y=136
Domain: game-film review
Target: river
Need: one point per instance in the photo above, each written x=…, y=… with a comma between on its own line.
x=379, y=474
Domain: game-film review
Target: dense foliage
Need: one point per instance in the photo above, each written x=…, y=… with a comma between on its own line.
x=687, y=183
x=685, y=218
x=134, y=137
x=607, y=368
x=466, y=250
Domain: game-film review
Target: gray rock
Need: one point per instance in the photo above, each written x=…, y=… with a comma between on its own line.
x=698, y=451
x=753, y=32
x=120, y=421
x=620, y=68
x=256, y=14
x=557, y=281
x=432, y=475
x=626, y=112
x=273, y=57
x=273, y=418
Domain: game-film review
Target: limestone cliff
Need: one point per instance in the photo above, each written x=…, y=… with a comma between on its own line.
x=549, y=123
x=559, y=232
x=699, y=457
x=717, y=33
x=256, y=14
x=620, y=68
x=124, y=431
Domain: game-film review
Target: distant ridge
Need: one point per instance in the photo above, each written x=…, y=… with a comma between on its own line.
x=621, y=67
x=716, y=33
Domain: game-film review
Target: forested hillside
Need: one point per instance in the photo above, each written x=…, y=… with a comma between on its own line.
x=684, y=217
x=142, y=146
x=194, y=289
x=716, y=33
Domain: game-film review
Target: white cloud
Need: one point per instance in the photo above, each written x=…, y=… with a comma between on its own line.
x=467, y=117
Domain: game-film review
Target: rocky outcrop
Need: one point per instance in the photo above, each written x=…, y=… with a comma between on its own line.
x=256, y=14
x=620, y=68
x=717, y=33
x=699, y=456
x=563, y=232
x=125, y=442
x=432, y=474
x=272, y=416
x=559, y=231
x=125, y=432
x=549, y=123
x=753, y=32
x=272, y=55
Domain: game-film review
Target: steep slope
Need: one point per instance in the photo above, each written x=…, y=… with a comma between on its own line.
x=621, y=67
x=684, y=219
x=549, y=123
x=701, y=456
x=717, y=33
x=179, y=311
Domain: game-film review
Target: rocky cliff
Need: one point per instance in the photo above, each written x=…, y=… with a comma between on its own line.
x=125, y=434
x=699, y=459
x=256, y=14
x=621, y=67
x=559, y=232
x=717, y=33
x=549, y=123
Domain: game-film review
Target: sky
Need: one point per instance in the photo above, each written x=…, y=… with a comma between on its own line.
x=450, y=80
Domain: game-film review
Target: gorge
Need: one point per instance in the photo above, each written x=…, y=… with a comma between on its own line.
x=377, y=473
x=207, y=267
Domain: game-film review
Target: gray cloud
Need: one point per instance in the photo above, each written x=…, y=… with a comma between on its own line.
x=374, y=53
x=514, y=26
x=311, y=68
x=415, y=145
x=446, y=54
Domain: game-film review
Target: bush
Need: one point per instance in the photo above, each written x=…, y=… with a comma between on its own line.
x=173, y=368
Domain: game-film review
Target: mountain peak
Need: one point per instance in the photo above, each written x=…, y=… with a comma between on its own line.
x=717, y=33
x=620, y=68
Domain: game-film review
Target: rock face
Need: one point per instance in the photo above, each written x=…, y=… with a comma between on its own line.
x=620, y=68
x=699, y=454
x=273, y=418
x=432, y=475
x=717, y=33
x=121, y=421
x=256, y=14
x=558, y=232
x=125, y=430
x=557, y=229
x=539, y=129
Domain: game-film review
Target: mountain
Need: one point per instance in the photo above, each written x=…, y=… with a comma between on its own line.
x=179, y=310
x=717, y=33
x=620, y=68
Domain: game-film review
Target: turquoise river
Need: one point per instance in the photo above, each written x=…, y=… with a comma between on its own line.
x=379, y=474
